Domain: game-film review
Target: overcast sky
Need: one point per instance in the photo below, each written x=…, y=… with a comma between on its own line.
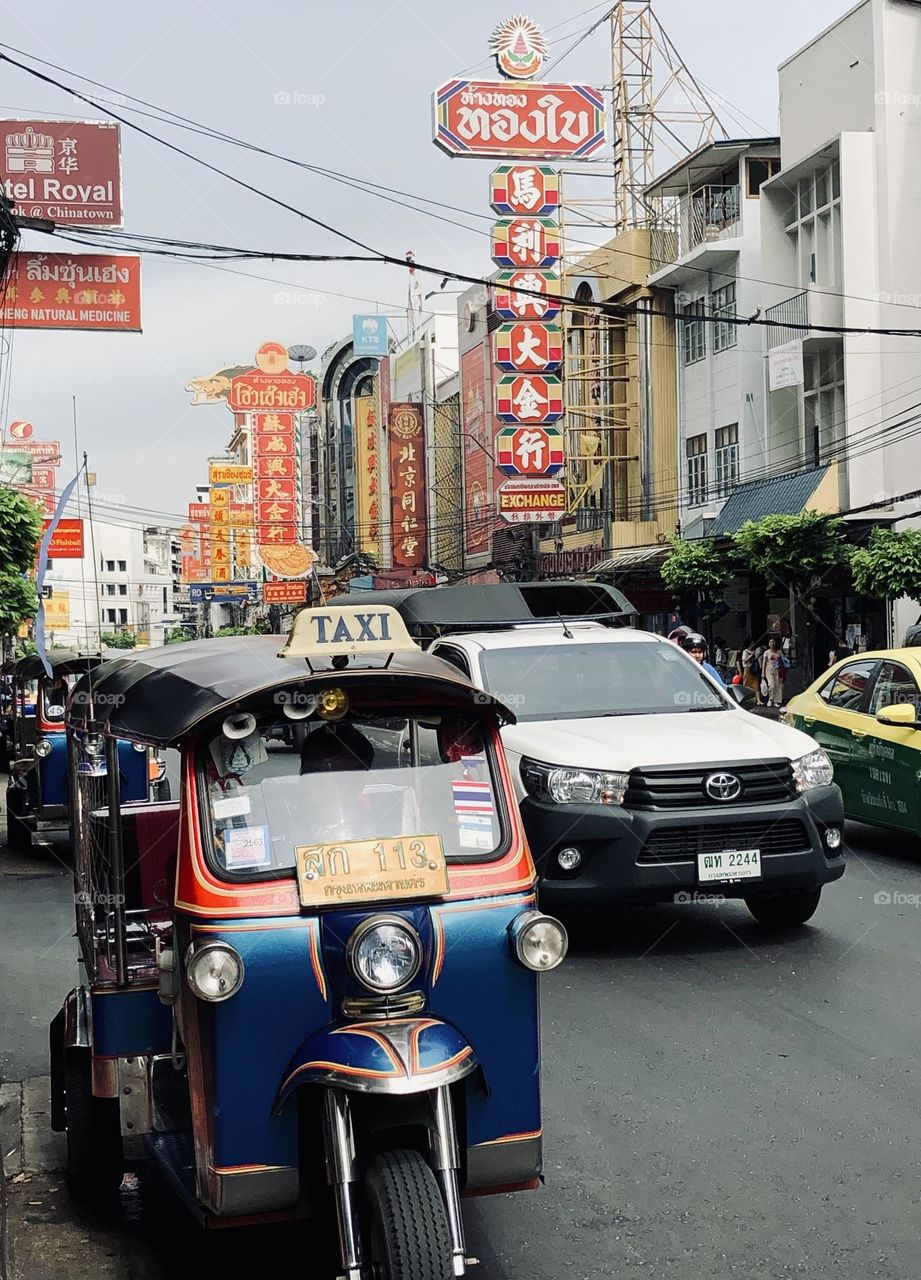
x=344, y=86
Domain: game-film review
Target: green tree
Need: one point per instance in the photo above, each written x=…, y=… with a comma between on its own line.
x=20, y=532
x=17, y=601
x=785, y=548
x=890, y=565
x=696, y=565
x=117, y=640
x=177, y=635
x=257, y=629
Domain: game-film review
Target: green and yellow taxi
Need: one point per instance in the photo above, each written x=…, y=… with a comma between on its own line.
x=865, y=712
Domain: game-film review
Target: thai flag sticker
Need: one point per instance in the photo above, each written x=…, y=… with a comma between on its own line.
x=472, y=797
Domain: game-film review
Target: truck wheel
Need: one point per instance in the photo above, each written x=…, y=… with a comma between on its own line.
x=409, y=1237
x=94, y=1143
x=785, y=911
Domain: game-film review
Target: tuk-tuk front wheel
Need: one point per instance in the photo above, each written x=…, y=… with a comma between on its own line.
x=409, y=1238
x=95, y=1163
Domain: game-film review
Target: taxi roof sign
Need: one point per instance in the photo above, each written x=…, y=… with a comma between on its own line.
x=350, y=629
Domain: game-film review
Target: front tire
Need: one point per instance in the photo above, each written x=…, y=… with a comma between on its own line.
x=409, y=1235
x=94, y=1145
x=787, y=910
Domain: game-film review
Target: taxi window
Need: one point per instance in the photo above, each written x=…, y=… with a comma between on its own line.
x=368, y=777
x=894, y=684
x=847, y=687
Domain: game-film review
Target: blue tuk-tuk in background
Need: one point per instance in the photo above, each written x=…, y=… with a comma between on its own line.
x=38, y=785
x=311, y=983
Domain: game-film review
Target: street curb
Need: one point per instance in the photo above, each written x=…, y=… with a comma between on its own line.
x=9, y=1134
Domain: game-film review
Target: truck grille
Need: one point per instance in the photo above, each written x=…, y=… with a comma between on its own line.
x=683, y=787
x=683, y=844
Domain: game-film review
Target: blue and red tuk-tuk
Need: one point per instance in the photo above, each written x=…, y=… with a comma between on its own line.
x=38, y=785
x=312, y=980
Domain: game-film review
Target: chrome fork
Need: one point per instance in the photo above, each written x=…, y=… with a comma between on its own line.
x=342, y=1174
x=446, y=1159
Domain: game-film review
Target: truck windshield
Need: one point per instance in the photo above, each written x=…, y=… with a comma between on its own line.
x=569, y=681
x=365, y=778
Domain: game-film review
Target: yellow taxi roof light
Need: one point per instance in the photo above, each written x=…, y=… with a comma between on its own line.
x=354, y=630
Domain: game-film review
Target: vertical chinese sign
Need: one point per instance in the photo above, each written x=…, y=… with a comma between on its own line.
x=523, y=123
x=409, y=518
x=367, y=477
x=476, y=452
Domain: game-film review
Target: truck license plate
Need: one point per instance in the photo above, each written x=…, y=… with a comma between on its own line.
x=731, y=864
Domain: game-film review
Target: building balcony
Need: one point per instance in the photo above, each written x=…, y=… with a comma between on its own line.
x=702, y=224
x=810, y=306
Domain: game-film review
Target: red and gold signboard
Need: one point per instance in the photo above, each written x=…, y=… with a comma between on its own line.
x=407, y=485
x=530, y=451
x=367, y=477
x=46, y=451
x=66, y=541
x=518, y=295
x=43, y=477
x=531, y=501
x=199, y=511
x=65, y=170
x=476, y=461
x=284, y=392
x=485, y=118
x=529, y=398
x=293, y=592
x=73, y=291
x=229, y=473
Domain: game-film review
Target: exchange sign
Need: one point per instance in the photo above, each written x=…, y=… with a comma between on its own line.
x=524, y=189
x=511, y=303
x=485, y=118
x=526, y=242
x=530, y=451
x=528, y=348
x=529, y=398
x=531, y=501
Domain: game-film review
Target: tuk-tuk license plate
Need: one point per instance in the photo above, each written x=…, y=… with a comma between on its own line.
x=371, y=871
x=731, y=864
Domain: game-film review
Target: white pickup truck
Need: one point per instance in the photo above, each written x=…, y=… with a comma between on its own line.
x=639, y=779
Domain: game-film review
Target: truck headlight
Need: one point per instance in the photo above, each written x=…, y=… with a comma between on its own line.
x=813, y=770
x=572, y=786
x=384, y=953
x=538, y=941
x=214, y=971
x=43, y=748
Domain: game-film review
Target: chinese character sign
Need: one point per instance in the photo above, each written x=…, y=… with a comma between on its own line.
x=73, y=291
x=552, y=121
x=367, y=477
x=407, y=485
x=65, y=170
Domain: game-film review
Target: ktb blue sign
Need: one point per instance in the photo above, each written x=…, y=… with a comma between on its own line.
x=370, y=336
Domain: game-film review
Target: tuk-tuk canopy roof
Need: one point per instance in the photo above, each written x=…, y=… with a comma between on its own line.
x=158, y=696
x=432, y=611
x=63, y=662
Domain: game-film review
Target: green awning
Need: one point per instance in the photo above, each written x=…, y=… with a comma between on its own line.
x=782, y=495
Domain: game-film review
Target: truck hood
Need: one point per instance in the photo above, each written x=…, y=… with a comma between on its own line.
x=622, y=743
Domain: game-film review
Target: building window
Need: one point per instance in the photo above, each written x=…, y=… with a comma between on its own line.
x=110, y=615
x=110, y=566
x=122, y=566
x=727, y=459
x=695, y=342
x=110, y=588
x=814, y=227
x=697, y=469
x=823, y=403
x=122, y=589
x=723, y=303
x=123, y=616
x=758, y=173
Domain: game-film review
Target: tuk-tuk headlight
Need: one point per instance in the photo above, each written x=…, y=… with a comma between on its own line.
x=139, y=746
x=384, y=953
x=539, y=942
x=214, y=971
x=43, y=748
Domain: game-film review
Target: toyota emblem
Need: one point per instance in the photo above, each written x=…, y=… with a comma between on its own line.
x=723, y=786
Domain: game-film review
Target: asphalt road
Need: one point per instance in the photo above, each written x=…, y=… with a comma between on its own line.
x=718, y=1102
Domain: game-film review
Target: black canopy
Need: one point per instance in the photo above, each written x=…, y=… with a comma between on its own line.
x=63, y=662
x=432, y=611
x=158, y=696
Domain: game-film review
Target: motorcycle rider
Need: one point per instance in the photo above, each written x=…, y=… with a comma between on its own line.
x=696, y=646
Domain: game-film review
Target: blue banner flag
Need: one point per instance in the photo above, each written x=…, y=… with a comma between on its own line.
x=43, y=566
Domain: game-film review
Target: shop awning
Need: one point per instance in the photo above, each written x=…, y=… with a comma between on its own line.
x=782, y=495
x=639, y=558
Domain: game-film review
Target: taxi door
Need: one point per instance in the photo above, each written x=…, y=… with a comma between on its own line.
x=893, y=777
x=838, y=718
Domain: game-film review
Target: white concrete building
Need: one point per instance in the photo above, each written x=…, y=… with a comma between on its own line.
x=124, y=583
x=841, y=248
x=708, y=250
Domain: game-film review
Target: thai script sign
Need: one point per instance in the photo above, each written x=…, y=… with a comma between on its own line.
x=73, y=291
x=531, y=501
x=486, y=118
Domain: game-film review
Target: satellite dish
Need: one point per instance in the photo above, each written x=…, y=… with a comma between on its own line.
x=300, y=354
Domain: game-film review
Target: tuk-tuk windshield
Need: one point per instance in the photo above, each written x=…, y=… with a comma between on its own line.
x=368, y=777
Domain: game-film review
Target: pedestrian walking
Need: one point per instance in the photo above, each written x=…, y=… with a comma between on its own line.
x=771, y=678
x=749, y=666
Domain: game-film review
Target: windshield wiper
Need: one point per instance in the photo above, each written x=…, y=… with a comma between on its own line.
x=691, y=710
